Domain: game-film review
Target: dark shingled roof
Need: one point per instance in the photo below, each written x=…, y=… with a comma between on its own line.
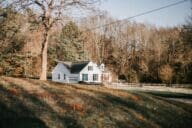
x=75, y=67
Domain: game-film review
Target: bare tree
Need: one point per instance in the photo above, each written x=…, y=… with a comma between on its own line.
x=49, y=12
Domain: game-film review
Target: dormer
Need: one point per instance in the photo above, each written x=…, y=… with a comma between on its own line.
x=102, y=67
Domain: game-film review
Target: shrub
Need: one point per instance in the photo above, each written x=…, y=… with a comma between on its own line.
x=132, y=76
x=166, y=74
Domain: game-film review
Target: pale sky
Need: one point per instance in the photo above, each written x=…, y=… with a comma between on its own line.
x=168, y=17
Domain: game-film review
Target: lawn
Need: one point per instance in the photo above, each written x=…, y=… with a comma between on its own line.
x=26, y=103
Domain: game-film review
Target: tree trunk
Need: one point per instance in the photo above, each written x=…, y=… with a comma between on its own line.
x=43, y=75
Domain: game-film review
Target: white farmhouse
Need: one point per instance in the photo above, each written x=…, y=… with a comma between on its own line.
x=86, y=71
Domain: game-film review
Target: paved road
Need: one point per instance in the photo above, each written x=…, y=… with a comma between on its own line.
x=149, y=88
x=155, y=88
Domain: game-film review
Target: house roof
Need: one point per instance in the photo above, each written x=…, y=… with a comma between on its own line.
x=74, y=67
x=77, y=67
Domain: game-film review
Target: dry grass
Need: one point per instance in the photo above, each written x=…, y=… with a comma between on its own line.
x=36, y=104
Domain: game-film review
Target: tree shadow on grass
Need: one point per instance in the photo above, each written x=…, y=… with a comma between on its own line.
x=70, y=122
x=164, y=96
x=103, y=101
x=165, y=117
x=15, y=113
x=170, y=94
x=186, y=107
x=110, y=103
x=157, y=111
x=14, y=118
x=40, y=106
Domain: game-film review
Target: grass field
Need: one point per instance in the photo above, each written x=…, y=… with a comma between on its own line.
x=26, y=103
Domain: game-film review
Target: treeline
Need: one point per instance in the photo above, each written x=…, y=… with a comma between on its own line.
x=133, y=51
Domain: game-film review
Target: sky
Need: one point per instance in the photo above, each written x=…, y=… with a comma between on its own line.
x=168, y=17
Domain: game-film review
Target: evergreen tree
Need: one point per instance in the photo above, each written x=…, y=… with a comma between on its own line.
x=71, y=46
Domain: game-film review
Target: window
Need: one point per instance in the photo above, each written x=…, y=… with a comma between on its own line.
x=64, y=76
x=95, y=77
x=59, y=77
x=84, y=77
x=90, y=68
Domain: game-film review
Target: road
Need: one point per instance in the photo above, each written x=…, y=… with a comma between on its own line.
x=154, y=89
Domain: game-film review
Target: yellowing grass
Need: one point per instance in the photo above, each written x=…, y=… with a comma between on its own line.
x=33, y=103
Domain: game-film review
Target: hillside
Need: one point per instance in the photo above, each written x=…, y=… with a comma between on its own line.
x=26, y=103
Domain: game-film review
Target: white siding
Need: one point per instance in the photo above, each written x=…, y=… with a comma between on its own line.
x=60, y=69
x=95, y=70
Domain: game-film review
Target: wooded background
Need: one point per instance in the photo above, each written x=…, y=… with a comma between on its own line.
x=133, y=51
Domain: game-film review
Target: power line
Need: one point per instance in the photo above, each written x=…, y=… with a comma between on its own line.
x=140, y=14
